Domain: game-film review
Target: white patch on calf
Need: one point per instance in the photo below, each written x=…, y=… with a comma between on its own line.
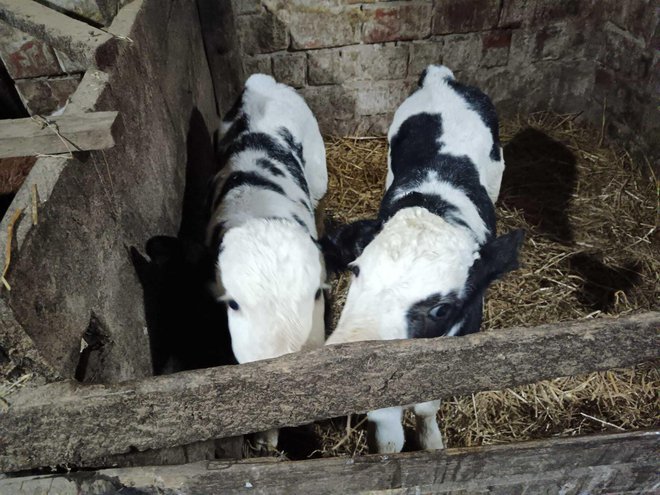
x=417, y=254
x=272, y=269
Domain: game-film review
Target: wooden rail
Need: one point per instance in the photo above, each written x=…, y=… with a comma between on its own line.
x=51, y=135
x=68, y=422
x=619, y=463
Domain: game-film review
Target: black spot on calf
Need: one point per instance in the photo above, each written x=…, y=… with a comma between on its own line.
x=239, y=179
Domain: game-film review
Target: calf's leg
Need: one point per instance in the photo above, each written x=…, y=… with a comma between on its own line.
x=385, y=431
x=426, y=425
x=267, y=440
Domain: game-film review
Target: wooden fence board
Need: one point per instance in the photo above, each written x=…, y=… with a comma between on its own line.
x=67, y=422
x=52, y=135
x=83, y=43
x=619, y=463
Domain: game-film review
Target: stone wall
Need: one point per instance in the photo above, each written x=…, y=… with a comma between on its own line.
x=355, y=60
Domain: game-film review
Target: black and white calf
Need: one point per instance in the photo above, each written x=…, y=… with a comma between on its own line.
x=269, y=269
x=422, y=267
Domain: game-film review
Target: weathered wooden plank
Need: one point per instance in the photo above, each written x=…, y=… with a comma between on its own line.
x=52, y=135
x=87, y=95
x=61, y=422
x=80, y=41
x=596, y=464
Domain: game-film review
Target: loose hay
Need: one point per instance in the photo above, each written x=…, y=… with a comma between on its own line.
x=591, y=219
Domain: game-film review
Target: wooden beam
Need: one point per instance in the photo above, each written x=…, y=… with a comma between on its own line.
x=80, y=41
x=67, y=422
x=52, y=135
x=621, y=463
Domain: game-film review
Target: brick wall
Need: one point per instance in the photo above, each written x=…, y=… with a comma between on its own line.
x=354, y=61
x=43, y=76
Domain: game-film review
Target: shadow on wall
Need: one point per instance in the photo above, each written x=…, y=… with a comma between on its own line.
x=187, y=327
x=539, y=180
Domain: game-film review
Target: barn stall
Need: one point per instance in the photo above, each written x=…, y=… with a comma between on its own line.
x=129, y=154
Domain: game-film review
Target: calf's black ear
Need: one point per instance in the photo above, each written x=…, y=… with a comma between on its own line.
x=163, y=248
x=500, y=255
x=346, y=243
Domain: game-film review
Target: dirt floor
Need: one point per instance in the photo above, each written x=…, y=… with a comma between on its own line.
x=591, y=218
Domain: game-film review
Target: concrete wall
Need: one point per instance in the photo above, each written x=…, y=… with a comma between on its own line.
x=71, y=274
x=356, y=60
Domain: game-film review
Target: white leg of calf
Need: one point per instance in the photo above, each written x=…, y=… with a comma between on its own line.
x=426, y=425
x=385, y=431
x=267, y=440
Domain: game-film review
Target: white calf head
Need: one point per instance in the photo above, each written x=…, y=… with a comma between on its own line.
x=271, y=272
x=421, y=277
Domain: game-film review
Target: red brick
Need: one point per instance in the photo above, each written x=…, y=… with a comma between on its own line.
x=359, y=62
x=462, y=51
x=495, y=48
x=330, y=104
x=424, y=53
x=625, y=53
x=636, y=16
x=290, y=68
x=44, y=96
x=378, y=97
x=25, y=56
x=242, y=7
x=553, y=10
x=516, y=13
x=497, y=39
x=324, y=26
x=259, y=64
x=396, y=22
x=555, y=41
x=464, y=16
x=261, y=33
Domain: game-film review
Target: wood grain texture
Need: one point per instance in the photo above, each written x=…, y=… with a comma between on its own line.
x=52, y=135
x=619, y=463
x=67, y=422
x=85, y=44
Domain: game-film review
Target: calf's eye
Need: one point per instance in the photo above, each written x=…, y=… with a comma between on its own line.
x=317, y=296
x=233, y=305
x=439, y=311
x=355, y=269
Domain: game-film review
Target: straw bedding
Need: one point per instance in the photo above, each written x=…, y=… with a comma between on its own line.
x=590, y=215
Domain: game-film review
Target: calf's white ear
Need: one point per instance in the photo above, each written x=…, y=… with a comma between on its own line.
x=346, y=243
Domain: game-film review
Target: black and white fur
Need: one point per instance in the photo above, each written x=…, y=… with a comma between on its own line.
x=422, y=267
x=269, y=268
